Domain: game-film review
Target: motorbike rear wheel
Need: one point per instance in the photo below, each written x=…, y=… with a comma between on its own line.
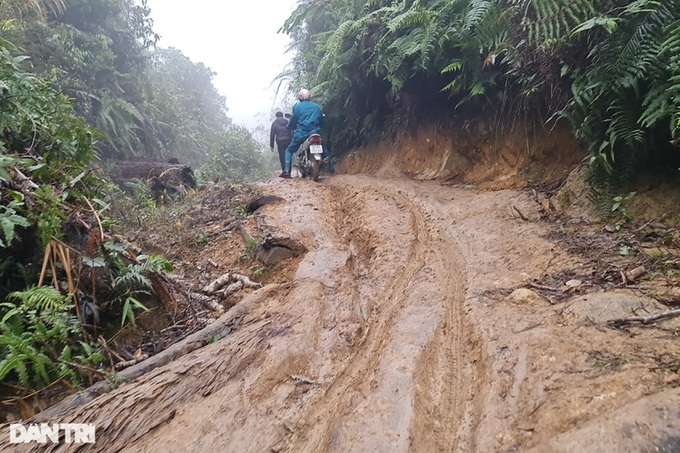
x=302, y=166
x=316, y=169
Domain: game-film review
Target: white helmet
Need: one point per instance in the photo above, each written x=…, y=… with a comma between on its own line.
x=304, y=95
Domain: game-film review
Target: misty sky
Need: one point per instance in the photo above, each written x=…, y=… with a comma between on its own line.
x=237, y=40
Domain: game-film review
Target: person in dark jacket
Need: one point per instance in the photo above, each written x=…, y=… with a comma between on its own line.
x=282, y=136
x=307, y=119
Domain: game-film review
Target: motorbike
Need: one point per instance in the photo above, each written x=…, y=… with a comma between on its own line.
x=310, y=161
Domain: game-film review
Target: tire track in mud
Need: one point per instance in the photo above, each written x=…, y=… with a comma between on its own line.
x=438, y=406
x=320, y=426
x=447, y=381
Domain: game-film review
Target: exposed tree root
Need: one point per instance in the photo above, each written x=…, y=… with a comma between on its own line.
x=204, y=300
x=227, y=278
x=643, y=320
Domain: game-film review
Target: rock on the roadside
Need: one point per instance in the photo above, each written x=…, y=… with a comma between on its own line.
x=603, y=306
x=277, y=248
x=525, y=296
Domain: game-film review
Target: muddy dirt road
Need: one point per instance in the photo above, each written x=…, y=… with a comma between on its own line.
x=408, y=326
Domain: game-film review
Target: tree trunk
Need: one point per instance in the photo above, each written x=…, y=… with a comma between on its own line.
x=146, y=169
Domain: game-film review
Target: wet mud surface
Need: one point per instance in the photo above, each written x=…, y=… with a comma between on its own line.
x=411, y=325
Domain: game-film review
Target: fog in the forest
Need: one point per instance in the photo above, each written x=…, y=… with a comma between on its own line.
x=238, y=41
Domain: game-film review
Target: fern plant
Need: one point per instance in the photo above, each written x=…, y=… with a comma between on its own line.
x=10, y=220
x=611, y=68
x=36, y=326
x=132, y=281
x=44, y=299
x=630, y=94
x=22, y=356
x=547, y=22
x=120, y=121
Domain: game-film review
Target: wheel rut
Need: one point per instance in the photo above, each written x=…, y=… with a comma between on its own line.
x=426, y=286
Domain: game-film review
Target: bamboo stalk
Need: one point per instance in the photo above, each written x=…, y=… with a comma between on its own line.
x=46, y=259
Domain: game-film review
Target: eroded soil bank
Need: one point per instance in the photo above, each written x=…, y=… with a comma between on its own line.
x=422, y=318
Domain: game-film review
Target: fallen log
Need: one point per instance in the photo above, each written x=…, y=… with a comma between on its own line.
x=220, y=328
x=168, y=173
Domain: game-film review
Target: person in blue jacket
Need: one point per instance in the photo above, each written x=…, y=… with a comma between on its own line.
x=307, y=119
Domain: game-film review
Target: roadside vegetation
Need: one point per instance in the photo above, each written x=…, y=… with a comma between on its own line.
x=82, y=85
x=609, y=68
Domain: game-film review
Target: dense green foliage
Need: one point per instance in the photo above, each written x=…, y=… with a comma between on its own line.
x=41, y=137
x=82, y=80
x=189, y=114
x=99, y=50
x=609, y=67
x=50, y=196
x=146, y=101
x=237, y=157
x=40, y=339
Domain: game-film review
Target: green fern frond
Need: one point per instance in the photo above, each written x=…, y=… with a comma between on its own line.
x=409, y=18
x=20, y=354
x=657, y=103
x=455, y=65
x=153, y=264
x=429, y=45
x=378, y=16
x=608, y=23
x=670, y=51
x=131, y=281
x=398, y=77
x=120, y=121
x=549, y=21
x=10, y=220
x=45, y=298
x=301, y=14
x=135, y=278
x=407, y=45
x=623, y=125
x=17, y=363
x=491, y=32
x=478, y=11
x=634, y=50
x=335, y=42
x=398, y=17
